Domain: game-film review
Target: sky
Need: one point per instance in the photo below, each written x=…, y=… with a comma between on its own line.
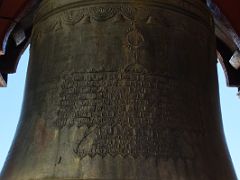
x=11, y=101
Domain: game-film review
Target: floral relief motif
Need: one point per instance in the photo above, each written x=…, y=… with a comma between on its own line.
x=72, y=17
x=102, y=13
x=95, y=14
x=129, y=12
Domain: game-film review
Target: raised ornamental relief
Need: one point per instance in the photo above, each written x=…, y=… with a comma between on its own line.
x=105, y=14
x=102, y=13
x=73, y=17
x=134, y=43
x=129, y=113
x=188, y=7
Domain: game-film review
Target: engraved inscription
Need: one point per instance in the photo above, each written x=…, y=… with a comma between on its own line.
x=130, y=115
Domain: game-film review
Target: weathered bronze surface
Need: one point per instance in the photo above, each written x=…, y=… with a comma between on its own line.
x=120, y=90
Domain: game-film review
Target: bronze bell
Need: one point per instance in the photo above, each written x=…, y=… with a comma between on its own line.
x=120, y=90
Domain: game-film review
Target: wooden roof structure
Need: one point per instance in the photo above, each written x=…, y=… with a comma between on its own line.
x=16, y=17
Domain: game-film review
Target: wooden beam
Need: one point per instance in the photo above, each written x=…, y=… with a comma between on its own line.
x=3, y=82
x=230, y=9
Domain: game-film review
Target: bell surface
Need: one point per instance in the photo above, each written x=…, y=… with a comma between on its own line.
x=121, y=90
